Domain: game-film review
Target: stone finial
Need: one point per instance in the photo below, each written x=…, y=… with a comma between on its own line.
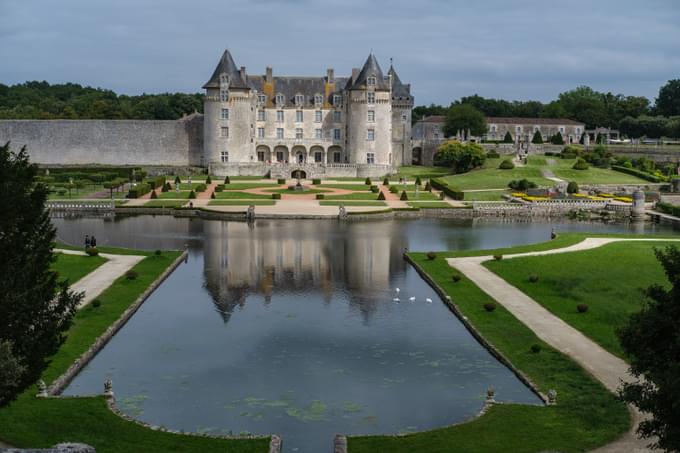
x=552, y=396
x=108, y=388
x=342, y=212
x=42, y=389
x=490, y=394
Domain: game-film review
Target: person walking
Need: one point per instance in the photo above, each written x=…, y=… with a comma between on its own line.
x=93, y=241
x=87, y=242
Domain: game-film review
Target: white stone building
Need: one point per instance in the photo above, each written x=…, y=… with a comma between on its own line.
x=311, y=126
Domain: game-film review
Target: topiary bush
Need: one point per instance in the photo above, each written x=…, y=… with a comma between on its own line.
x=166, y=187
x=498, y=257
x=92, y=251
x=394, y=189
x=580, y=165
x=456, y=278
x=192, y=195
x=219, y=188
x=386, y=181
x=381, y=196
x=403, y=196
x=418, y=181
x=320, y=196
x=508, y=138
x=506, y=164
x=533, y=278
x=522, y=184
x=212, y=195
x=375, y=189
x=535, y=348
x=582, y=308
x=158, y=253
x=557, y=139
x=489, y=306
x=572, y=187
x=201, y=187
x=227, y=180
x=428, y=187
x=96, y=303
x=277, y=196
x=178, y=180
x=153, y=195
x=131, y=275
x=368, y=182
x=280, y=181
x=316, y=181
x=208, y=180
x=537, y=138
x=492, y=155
x=431, y=255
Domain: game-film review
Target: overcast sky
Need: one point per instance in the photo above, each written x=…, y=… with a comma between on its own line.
x=513, y=49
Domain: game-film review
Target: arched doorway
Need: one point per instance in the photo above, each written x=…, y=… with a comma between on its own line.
x=298, y=174
x=316, y=154
x=334, y=155
x=281, y=154
x=264, y=154
x=417, y=156
x=299, y=155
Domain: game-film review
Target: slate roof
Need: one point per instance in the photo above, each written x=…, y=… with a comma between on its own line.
x=226, y=65
x=371, y=68
x=546, y=121
x=399, y=90
x=291, y=86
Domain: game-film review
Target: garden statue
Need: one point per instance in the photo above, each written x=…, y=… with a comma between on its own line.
x=490, y=394
x=552, y=396
x=250, y=214
x=42, y=389
x=108, y=388
x=342, y=214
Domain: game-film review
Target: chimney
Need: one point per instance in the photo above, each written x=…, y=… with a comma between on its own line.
x=355, y=74
x=269, y=77
x=242, y=72
x=329, y=75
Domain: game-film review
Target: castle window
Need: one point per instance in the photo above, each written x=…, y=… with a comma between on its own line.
x=299, y=99
x=224, y=156
x=404, y=117
x=225, y=114
x=261, y=98
x=279, y=132
x=318, y=134
x=260, y=132
x=224, y=132
x=337, y=99
x=318, y=99
x=562, y=129
x=298, y=133
x=317, y=157
x=279, y=99
x=336, y=157
x=261, y=115
x=279, y=116
x=260, y=156
x=317, y=116
x=518, y=129
x=371, y=135
x=224, y=95
x=493, y=128
x=298, y=116
x=279, y=155
x=389, y=158
x=370, y=158
x=371, y=116
x=336, y=134
x=578, y=131
x=370, y=98
x=370, y=81
x=337, y=116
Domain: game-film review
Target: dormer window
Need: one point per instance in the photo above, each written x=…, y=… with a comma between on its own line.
x=370, y=81
x=337, y=99
x=261, y=98
x=299, y=99
x=318, y=99
x=279, y=99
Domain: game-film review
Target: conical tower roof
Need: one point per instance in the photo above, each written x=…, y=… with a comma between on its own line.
x=227, y=66
x=399, y=90
x=371, y=69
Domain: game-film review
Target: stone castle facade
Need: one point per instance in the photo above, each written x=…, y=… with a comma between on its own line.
x=338, y=126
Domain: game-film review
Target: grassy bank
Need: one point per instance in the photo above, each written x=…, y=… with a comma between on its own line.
x=75, y=267
x=586, y=415
x=608, y=279
x=33, y=422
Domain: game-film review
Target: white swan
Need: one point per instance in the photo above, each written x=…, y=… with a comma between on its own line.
x=396, y=299
x=428, y=300
x=397, y=290
x=412, y=298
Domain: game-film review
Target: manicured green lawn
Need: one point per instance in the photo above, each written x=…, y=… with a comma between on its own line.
x=352, y=203
x=354, y=196
x=422, y=195
x=562, y=168
x=429, y=204
x=174, y=195
x=164, y=203
x=75, y=267
x=235, y=195
x=33, y=422
x=586, y=415
x=250, y=185
x=294, y=192
x=187, y=186
x=241, y=202
x=608, y=279
x=356, y=187
x=413, y=171
x=494, y=195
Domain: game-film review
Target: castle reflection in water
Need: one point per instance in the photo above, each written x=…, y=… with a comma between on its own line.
x=357, y=259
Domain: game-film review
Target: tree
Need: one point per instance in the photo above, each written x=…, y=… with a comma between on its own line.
x=651, y=341
x=508, y=138
x=538, y=138
x=668, y=101
x=460, y=157
x=35, y=309
x=585, y=104
x=557, y=139
x=463, y=117
x=572, y=187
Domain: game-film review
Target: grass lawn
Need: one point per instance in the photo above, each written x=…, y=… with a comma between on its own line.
x=86, y=192
x=241, y=202
x=294, y=192
x=243, y=178
x=164, y=203
x=430, y=204
x=235, y=195
x=355, y=187
x=494, y=195
x=352, y=203
x=421, y=196
x=608, y=279
x=586, y=415
x=413, y=171
x=33, y=422
x=174, y=195
x=250, y=185
x=187, y=186
x=354, y=196
x=75, y=267
x=562, y=168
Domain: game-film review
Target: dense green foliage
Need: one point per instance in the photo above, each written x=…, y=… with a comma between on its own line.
x=538, y=138
x=40, y=100
x=507, y=138
x=32, y=319
x=651, y=339
x=668, y=101
x=464, y=118
x=460, y=157
x=506, y=164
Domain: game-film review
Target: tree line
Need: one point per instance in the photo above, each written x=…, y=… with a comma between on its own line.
x=43, y=101
x=634, y=116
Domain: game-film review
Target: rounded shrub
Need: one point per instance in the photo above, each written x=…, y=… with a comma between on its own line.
x=92, y=251
x=535, y=348
x=281, y=181
x=316, y=181
x=96, y=303
x=386, y=181
x=381, y=196
x=320, y=196
x=131, y=275
x=506, y=164
x=192, y=194
x=394, y=189
x=490, y=306
x=498, y=257
x=431, y=255
x=572, y=187
x=582, y=308
x=533, y=278
x=368, y=181
x=158, y=253
x=154, y=195
x=492, y=155
x=456, y=278
x=201, y=187
x=227, y=180
x=580, y=165
x=375, y=189
x=208, y=180
x=418, y=181
x=166, y=187
x=276, y=196
x=403, y=196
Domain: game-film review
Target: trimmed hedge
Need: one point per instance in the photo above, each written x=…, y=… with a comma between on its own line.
x=276, y=196
x=506, y=165
x=640, y=174
x=316, y=181
x=320, y=196
x=668, y=208
x=452, y=192
x=138, y=190
x=492, y=155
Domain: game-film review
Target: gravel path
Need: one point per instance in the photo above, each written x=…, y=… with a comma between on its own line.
x=607, y=368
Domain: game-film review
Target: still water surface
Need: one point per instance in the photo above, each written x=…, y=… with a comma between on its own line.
x=291, y=327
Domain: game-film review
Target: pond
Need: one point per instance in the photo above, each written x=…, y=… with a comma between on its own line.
x=292, y=327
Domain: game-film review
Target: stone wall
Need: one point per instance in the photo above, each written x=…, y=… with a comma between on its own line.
x=108, y=142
